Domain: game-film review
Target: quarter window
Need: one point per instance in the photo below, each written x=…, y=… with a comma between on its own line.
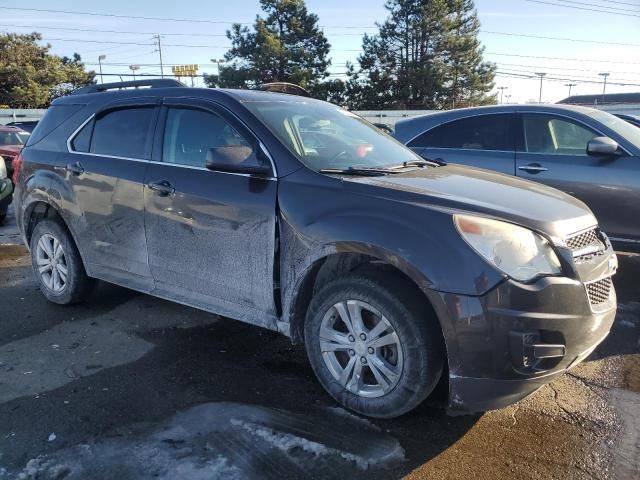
x=551, y=134
x=485, y=132
x=123, y=132
x=190, y=135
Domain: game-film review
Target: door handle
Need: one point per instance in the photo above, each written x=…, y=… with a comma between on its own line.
x=162, y=188
x=533, y=168
x=75, y=168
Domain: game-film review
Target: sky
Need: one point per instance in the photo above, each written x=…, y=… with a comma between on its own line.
x=193, y=32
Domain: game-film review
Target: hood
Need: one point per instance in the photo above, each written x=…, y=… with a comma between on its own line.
x=459, y=189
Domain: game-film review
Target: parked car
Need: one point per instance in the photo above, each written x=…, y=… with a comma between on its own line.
x=26, y=125
x=12, y=139
x=588, y=153
x=632, y=119
x=6, y=187
x=397, y=274
x=12, y=135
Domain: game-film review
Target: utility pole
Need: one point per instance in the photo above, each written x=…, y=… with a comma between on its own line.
x=508, y=98
x=502, y=89
x=541, y=75
x=100, y=58
x=570, y=85
x=604, y=86
x=159, y=50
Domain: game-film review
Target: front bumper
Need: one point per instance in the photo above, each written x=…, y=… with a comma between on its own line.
x=506, y=344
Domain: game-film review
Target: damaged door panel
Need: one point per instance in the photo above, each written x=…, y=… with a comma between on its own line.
x=210, y=234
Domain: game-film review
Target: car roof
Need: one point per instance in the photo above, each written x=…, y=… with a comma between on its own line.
x=237, y=94
x=409, y=128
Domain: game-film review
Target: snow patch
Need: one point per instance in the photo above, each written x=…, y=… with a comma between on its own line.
x=228, y=441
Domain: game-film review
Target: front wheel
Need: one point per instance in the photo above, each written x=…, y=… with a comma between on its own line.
x=373, y=344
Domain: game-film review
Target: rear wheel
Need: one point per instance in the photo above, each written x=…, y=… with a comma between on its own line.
x=57, y=264
x=373, y=345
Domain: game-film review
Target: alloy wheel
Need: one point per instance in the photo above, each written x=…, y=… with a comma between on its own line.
x=361, y=348
x=52, y=263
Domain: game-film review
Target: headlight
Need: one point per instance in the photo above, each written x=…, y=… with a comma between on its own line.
x=516, y=251
x=3, y=168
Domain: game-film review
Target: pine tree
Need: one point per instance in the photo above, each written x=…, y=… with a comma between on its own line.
x=285, y=46
x=425, y=55
x=468, y=77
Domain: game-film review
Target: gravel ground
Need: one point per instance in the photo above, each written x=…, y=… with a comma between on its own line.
x=128, y=386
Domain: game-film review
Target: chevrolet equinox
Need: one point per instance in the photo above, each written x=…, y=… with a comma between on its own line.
x=398, y=273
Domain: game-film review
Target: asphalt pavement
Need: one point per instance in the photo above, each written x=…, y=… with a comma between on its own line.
x=127, y=386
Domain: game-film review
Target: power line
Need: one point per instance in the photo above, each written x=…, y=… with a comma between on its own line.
x=218, y=35
x=561, y=58
x=599, y=6
x=636, y=10
x=564, y=39
x=160, y=19
x=582, y=8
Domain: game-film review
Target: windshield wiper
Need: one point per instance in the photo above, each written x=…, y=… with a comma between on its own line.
x=365, y=171
x=438, y=162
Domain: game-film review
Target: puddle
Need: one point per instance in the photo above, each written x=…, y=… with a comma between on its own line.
x=230, y=441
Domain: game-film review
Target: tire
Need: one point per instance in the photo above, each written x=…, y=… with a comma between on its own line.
x=3, y=217
x=414, y=357
x=71, y=288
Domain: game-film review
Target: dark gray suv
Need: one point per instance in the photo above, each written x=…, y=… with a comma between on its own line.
x=587, y=153
x=398, y=274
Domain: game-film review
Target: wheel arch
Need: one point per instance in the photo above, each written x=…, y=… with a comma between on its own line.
x=348, y=258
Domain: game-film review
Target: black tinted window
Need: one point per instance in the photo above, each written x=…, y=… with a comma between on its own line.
x=486, y=132
x=190, y=134
x=82, y=140
x=123, y=132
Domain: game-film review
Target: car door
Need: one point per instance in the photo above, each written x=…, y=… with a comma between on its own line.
x=210, y=234
x=105, y=168
x=484, y=141
x=553, y=151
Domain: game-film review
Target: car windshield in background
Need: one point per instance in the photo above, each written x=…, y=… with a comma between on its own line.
x=324, y=136
x=629, y=132
x=13, y=138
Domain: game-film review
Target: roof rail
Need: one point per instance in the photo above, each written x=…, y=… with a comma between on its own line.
x=103, y=87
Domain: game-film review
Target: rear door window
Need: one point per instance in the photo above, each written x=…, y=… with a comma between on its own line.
x=484, y=132
x=124, y=132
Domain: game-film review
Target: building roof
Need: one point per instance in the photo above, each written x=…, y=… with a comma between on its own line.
x=609, y=98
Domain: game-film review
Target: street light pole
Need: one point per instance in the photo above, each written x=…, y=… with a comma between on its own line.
x=604, y=86
x=570, y=85
x=541, y=75
x=502, y=89
x=133, y=68
x=100, y=58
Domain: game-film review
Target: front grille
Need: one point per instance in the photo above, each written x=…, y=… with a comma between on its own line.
x=584, y=239
x=599, y=291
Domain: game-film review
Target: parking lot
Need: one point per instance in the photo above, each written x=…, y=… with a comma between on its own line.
x=129, y=386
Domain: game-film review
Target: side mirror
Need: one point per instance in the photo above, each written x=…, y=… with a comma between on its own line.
x=236, y=159
x=602, y=146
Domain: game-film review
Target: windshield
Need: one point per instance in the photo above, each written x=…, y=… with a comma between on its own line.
x=13, y=138
x=623, y=128
x=324, y=136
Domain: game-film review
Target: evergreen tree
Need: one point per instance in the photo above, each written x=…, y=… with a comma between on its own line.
x=425, y=55
x=468, y=78
x=285, y=46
